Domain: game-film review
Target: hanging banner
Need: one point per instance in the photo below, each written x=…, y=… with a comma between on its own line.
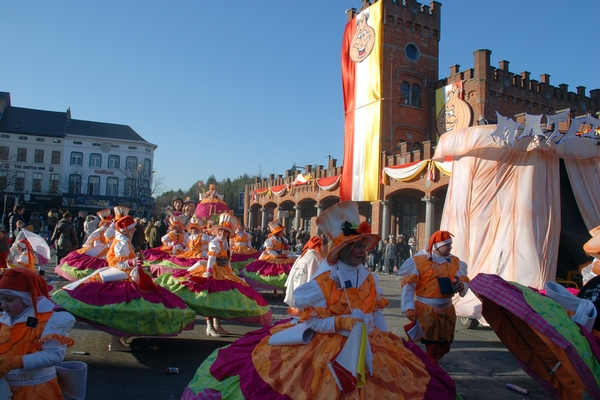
x=361, y=83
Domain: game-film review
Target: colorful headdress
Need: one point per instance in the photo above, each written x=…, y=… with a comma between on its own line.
x=341, y=222
x=105, y=217
x=194, y=223
x=121, y=211
x=124, y=224
x=275, y=226
x=226, y=221
x=175, y=220
x=315, y=243
x=19, y=281
x=439, y=239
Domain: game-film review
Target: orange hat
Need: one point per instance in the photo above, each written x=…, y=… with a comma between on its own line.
x=315, y=242
x=226, y=221
x=275, y=226
x=194, y=223
x=105, y=217
x=175, y=220
x=125, y=223
x=121, y=211
x=341, y=222
x=19, y=281
x=439, y=239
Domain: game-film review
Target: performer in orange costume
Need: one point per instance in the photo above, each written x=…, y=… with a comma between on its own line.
x=34, y=338
x=434, y=275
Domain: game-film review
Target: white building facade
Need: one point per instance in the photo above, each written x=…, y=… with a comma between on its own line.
x=48, y=159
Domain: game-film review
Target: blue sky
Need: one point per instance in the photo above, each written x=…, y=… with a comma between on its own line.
x=226, y=88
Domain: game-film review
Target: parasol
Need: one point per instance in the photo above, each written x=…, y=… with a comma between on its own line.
x=548, y=345
x=38, y=243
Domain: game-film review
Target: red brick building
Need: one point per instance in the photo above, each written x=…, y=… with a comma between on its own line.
x=409, y=83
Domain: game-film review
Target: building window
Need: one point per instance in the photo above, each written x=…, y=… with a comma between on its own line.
x=3, y=180
x=76, y=158
x=37, y=182
x=94, y=185
x=77, y=142
x=131, y=163
x=22, y=155
x=38, y=156
x=147, y=166
x=415, y=96
x=132, y=147
x=23, y=138
x=410, y=95
x=412, y=51
x=55, y=157
x=20, y=181
x=410, y=213
x=3, y=136
x=96, y=144
x=40, y=139
x=95, y=160
x=129, y=187
x=75, y=184
x=405, y=93
x=54, y=182
x=112, y=187
x=114, y=162
x=57, y=141
x=4, y=152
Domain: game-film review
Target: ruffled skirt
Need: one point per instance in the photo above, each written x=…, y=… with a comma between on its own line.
x=249, y=368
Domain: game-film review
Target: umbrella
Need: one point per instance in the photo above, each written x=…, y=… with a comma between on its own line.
x=548, y=345
x=38, y=243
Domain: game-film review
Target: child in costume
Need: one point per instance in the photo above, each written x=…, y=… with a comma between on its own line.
x=122, y=299
x=33, y=338
x=211, y=288
x=272, y=268
x=92, y=255
x=21, y=253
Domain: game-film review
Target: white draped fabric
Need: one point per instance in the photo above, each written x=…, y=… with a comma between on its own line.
x=503, y=203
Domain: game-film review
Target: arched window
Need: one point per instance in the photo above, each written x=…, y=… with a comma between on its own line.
x=405, y=93
x=415, y=96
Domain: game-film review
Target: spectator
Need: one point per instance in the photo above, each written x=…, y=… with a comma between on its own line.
x=13, y=217
x=412, y=245
x=402, y=251
x=390, y=255
x=380, y=256
x=52, y=220
x=138, y=240
x=153, y=236
x=36, y=222
x=64, y=237
x=80, y=227
x=90, y=225
x=4, y=248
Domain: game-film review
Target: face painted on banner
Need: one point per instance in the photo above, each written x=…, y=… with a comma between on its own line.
x=363, y=40
x=455, y=114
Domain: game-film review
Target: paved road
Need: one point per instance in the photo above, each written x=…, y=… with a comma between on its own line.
x=478, y=362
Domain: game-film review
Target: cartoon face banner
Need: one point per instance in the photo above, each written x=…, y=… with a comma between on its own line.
x=361, y=82
x=451, y=110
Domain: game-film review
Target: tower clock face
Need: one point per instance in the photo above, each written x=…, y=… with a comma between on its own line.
x=363, y=40
x=412, y=51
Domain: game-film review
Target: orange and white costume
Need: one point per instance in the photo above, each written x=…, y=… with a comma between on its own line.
x=241, y=243
x=435, y=311
x=42, y=346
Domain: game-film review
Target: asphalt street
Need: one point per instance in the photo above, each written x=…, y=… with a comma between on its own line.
x=478, y=362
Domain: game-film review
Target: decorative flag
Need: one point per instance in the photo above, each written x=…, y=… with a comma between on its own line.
x=361, y=82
